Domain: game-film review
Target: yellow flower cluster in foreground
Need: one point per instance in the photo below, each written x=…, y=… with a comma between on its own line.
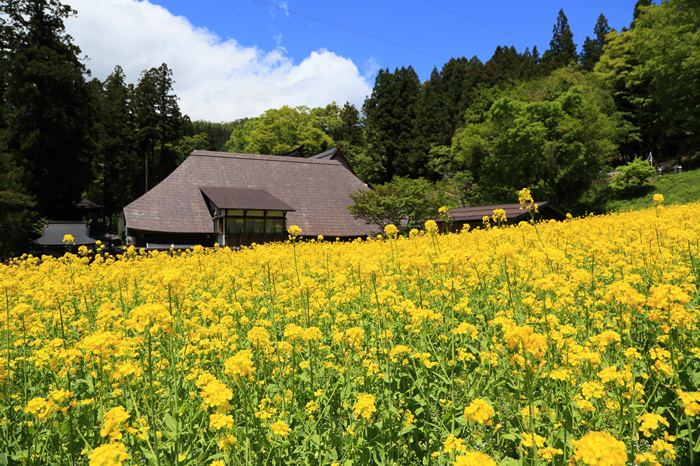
x=570, y=342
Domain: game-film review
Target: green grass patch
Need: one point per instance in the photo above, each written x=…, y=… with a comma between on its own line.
x=682, y=188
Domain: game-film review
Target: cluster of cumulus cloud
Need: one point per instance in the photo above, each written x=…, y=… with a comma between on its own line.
x=215, y=79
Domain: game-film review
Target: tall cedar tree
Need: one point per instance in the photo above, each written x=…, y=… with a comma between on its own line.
x=507, y=66
x=116, y=160
x=350, y=130
x=562, y=50
x=15, y=205
x=431, y=121
x=160, y=125
x=45, y=104
x=592, y=49
x=390, y=120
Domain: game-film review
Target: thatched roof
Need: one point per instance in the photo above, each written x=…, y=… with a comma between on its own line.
x=317, y=190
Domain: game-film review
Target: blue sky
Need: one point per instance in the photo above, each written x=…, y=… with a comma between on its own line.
x=237, y=58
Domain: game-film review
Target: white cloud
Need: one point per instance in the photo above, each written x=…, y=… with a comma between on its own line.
x=216, y=80
x=282, y=6
x=371, y=67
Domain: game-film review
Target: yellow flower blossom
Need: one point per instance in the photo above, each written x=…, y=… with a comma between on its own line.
x=473, y=458
x=600, y=449
x=478, y=411
x=114, y=419
x=364, y=406
x=111, y=454
x=280, y=428
x=650, y=422
x=453, y=443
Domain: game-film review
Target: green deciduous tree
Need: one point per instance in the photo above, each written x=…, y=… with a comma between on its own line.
x=240, y=134
x=633, y=176
x=666, y=43
x=654, y=69
x=551, y=136
x=189, y=143
x=278, y=131
x=403, y=202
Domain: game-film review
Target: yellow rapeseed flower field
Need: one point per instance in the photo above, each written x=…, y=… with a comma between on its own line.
x=570, y=342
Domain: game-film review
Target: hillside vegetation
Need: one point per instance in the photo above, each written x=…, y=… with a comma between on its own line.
x=683, y=188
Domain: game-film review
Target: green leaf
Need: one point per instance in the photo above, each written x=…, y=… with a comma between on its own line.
x=170, y=423
x=509, y=462
x=379, y=455
x=407, y=429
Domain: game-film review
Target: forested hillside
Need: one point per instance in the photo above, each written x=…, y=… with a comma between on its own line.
x=480, y=131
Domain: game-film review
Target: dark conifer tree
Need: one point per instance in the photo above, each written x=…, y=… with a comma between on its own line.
x=505, y=66
x=528, y=66
x=454, y=78
x=562, y=50
x=46, y=104
x=220, y=132
x=159, y=123
x=460, y=77
x=536, y=55
x=431, y=124
x=592, y=49
x=116, y=162
x=351, y=127
x=390, y=120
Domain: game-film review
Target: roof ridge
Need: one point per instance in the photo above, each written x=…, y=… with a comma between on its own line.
x=270, y=158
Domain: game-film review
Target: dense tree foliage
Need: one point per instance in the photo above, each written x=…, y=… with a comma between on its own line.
x=45, y=103
x=406, y=203
x=551, y=136
x=653, y=70
x=666, y=44
x=279, y=131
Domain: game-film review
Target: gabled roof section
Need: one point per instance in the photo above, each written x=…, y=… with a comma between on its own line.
x=243, y=198
x=55, y=231
x=334, y=154
x=318, y=191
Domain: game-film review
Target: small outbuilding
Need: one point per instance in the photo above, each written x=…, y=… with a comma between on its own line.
x=238, y=199
x=83, y=234
x=474, y=216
